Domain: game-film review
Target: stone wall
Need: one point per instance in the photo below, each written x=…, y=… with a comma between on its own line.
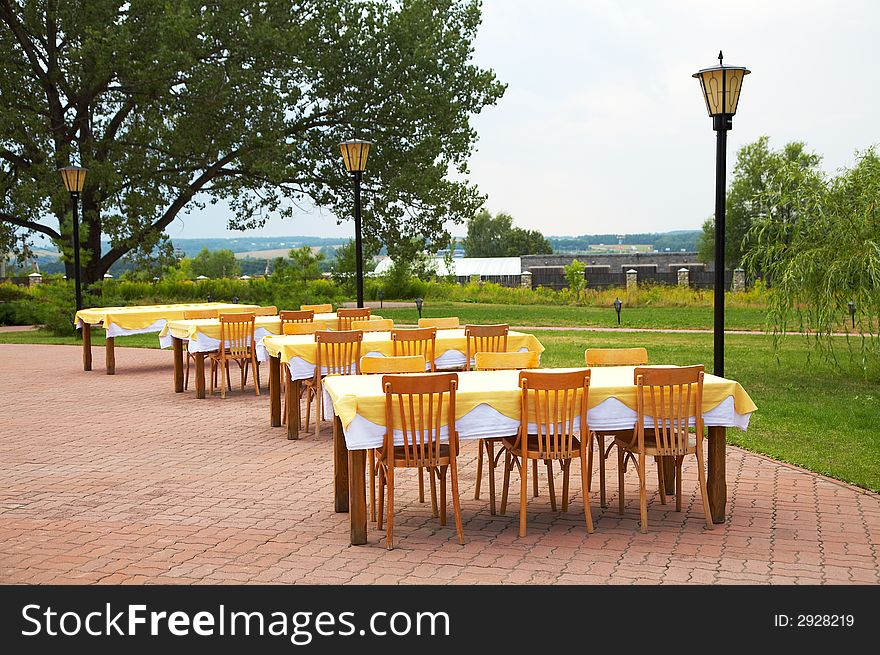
x=666, y=262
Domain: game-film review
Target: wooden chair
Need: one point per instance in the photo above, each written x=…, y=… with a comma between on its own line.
x=416, y=405
x=416, y=341
x=669, y=399
x=374, y=325
x=484, y=338
x=318, y=309
x=301, y=328
x=486, y=361
x=403, y=364
x=190, y=315
x=293, y=316
x=446, y=323
x=338, y=353
x=609, y=357
x=346, y=316
x=553, y=403
x=236, y=344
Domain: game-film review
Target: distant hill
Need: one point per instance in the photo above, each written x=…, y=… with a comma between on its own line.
x=660, y=241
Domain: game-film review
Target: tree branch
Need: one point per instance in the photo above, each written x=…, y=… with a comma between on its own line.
x=36, y=227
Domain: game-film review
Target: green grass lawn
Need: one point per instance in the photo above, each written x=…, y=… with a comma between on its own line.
x=570, y=316
x=809, y=413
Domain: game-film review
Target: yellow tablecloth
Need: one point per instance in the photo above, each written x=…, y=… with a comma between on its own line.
x=139, y=317
x=362, y=395
x=380, y=342
x=210, y=327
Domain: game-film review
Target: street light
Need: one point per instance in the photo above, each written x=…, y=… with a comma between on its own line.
x=354, y=156
x=419, y=302
x=74, y=178
x=617, y=307
x=381, y=297
x=852, y=312
x=721, y=87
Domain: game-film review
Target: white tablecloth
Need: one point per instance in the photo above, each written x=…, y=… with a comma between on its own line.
x=206, y=344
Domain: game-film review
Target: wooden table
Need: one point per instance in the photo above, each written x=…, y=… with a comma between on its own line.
x=349, y=490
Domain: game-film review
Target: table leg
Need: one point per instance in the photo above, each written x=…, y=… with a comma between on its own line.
x=200, y=374
x=87, y=346
x=274, y=391
x=357, y=498
x=178, y=364
x=340, y=468
x=294, y=388
x=717, y=475
x=109, y=343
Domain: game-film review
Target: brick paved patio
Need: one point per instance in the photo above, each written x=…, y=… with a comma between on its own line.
x=119, y=480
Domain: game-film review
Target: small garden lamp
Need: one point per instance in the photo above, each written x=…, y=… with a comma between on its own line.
x=381, y=297
x=617, y=307
x=721, y=86
x=852, y=312
x=354, y=156
x=419, y=302
x=234, y=300
x=74, y=178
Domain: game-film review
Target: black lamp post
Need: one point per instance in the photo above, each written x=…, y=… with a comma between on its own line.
x=74, y=178
x=721, y=87
x=381, y=297
x=617, y=307
x=852, y=312
x=419, y=302
x=354, y=156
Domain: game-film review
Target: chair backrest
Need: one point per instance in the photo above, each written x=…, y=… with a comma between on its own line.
x=616, y=356
x=484, y=338
x=300, y=328
x=556, y=404
x=318, y=309
x=271, y=310
x=237, y=332
x=339, y=352
x=445, y=323
x=398, y=364
x=416, y=341
x=486, y=361
x=346, y=316
x=669, y=398
x=293, y=316
x=192, y=314
x=374, y=325
x=416, y=405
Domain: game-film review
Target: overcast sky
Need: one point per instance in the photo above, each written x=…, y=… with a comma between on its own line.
x=602, y=129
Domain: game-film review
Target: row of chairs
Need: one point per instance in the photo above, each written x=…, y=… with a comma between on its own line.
x=552, y=404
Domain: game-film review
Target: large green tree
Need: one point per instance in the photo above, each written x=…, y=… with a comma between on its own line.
x=489, y=236
x=215, y=263
x=758, y=170
x=171, y=105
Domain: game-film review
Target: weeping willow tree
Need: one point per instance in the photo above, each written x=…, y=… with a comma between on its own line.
x=818, y=247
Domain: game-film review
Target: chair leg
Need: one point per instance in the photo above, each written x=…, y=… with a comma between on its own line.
x=602, y=458
x=228, y=379
x=381, y=500
x=660, y=479
x=308, y=410
x=256, y=375
x=535, y=476
x=643, y=495
x=319, y=410
x=456, y=504
x=213, y=377
x=590, y=460
x=620, y=497
x=507, y=466
x=372, y=484
x=433, y=482
x=490, y=453
x=701, y=474
x=441, y=473
x=421, y=485
x=186, y=375
x=389, y=532
x=550, y=484
x=523, y=492
x=588, y=515
x=678, y=463
x=566, y=467
x=243, y=369
x=479, y=469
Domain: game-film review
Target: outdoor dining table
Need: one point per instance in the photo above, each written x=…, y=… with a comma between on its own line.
x=298, y=353
x=202, y=335
x=136, y=319
x=488, y=405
